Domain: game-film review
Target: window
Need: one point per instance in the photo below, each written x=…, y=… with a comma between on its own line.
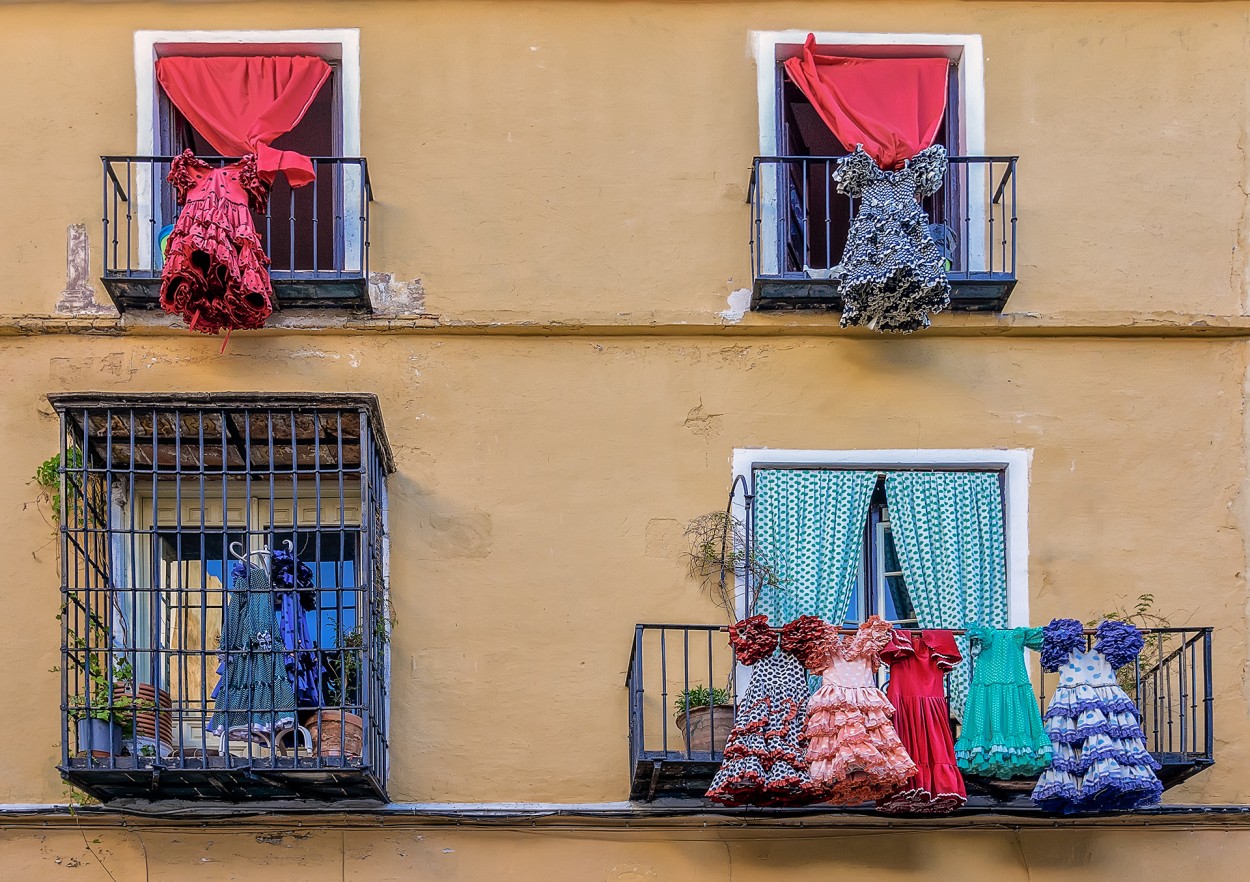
x=799, y=222
x=315, y=236
x=167, y=499
x=817, y=218
x=880, y=588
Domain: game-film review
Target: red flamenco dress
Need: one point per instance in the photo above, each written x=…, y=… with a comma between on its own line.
x=918, y=664
x=216, y=272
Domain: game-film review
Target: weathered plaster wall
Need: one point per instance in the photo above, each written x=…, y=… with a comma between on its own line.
x=581, y=159
x=539, y=855
x=542, y=482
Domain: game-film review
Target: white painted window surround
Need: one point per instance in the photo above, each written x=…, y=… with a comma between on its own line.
x=338, y=45
x=1013, y=463
x=771, y=48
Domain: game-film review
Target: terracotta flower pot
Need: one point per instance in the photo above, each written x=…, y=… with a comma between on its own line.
x=337, y=733
x=708, y=731
x=154, y=716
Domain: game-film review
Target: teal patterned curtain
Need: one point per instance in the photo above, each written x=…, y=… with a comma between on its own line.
x=948, y=531
x=809, y=530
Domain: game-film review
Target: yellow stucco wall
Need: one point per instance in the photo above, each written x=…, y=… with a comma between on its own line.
x=581, y=167
x=542, y=484
x=588, y=159
x=539, y=855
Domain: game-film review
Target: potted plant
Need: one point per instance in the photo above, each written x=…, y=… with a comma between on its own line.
x=102, y=724
x=705, y=717
x=335, y=730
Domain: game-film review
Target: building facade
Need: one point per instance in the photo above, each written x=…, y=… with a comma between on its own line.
x=563, y=278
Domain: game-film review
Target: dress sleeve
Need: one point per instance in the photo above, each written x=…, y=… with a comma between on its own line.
x=1033, y=637
x=751, y=639
x=929, y=166
x=1119, y=643
x=184, y=173
x=1061, y=637
x=944, y=648
x=872, y=637
x=810, y=640
x=855, y=172
x=899, y=647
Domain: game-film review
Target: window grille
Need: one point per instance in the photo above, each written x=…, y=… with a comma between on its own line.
x=190, y=669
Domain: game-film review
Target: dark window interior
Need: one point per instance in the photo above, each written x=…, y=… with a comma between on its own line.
x=297, y=218
x=819, y=217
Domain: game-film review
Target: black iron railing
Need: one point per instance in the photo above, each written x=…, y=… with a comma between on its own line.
x=316, y=236
x=799, y=226
x=180, y=681
x=673, y=753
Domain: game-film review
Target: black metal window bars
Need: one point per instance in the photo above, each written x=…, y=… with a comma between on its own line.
x=160, y=496
x=317, y=236
x=799, y=225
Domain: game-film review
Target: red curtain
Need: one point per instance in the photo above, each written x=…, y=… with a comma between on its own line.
x=240, y=104
x=893, y=106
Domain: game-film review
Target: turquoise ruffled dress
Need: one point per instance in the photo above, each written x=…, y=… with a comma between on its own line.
x=1002, y=734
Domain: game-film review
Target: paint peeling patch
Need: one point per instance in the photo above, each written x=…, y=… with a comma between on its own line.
x=702, y=423
x=78, y=298
x=739, y=304
x=391, y=296
x=281, y=838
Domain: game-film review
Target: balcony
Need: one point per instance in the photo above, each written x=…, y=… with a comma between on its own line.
x=799, y=225
x=672, y=756
x=181, y=681
x=317, y=237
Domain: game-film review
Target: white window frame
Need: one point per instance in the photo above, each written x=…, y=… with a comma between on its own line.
x=1014, y=463
x=340, y=45
x=770, y=48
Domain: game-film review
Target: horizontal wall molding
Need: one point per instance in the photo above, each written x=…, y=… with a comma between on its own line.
x=292, y=323
x=633, y=817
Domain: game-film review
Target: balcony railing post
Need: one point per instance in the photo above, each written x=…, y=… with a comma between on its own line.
x=1208, y=698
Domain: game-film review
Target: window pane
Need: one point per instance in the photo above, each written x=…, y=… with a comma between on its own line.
x=896, y=601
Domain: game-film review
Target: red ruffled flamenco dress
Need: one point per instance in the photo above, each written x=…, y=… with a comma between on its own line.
x=918, y=664
x=216, y=271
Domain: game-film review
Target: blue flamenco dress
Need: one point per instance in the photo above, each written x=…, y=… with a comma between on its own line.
x=1100, y=759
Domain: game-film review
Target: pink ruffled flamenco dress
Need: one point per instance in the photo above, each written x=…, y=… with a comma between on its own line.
x=216, y=271
x=853, y=751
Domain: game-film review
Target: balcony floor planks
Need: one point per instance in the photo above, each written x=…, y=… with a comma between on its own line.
x=676, y=777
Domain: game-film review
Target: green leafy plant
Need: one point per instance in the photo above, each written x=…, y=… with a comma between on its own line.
x=700, y=696
x=1142, y=614
x=717, y=541
x=48, y=477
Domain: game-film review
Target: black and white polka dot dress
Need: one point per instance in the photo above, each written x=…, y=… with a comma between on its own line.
x=894, y=275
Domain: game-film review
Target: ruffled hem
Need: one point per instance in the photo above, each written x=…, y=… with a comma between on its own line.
x=1062, y=706
x=921, y=802
x=860, y=787
x=1101, y=795
x=1004, y=762
x=1080, y=734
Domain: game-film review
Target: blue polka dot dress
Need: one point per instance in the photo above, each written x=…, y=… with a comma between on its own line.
x=1100, y=760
